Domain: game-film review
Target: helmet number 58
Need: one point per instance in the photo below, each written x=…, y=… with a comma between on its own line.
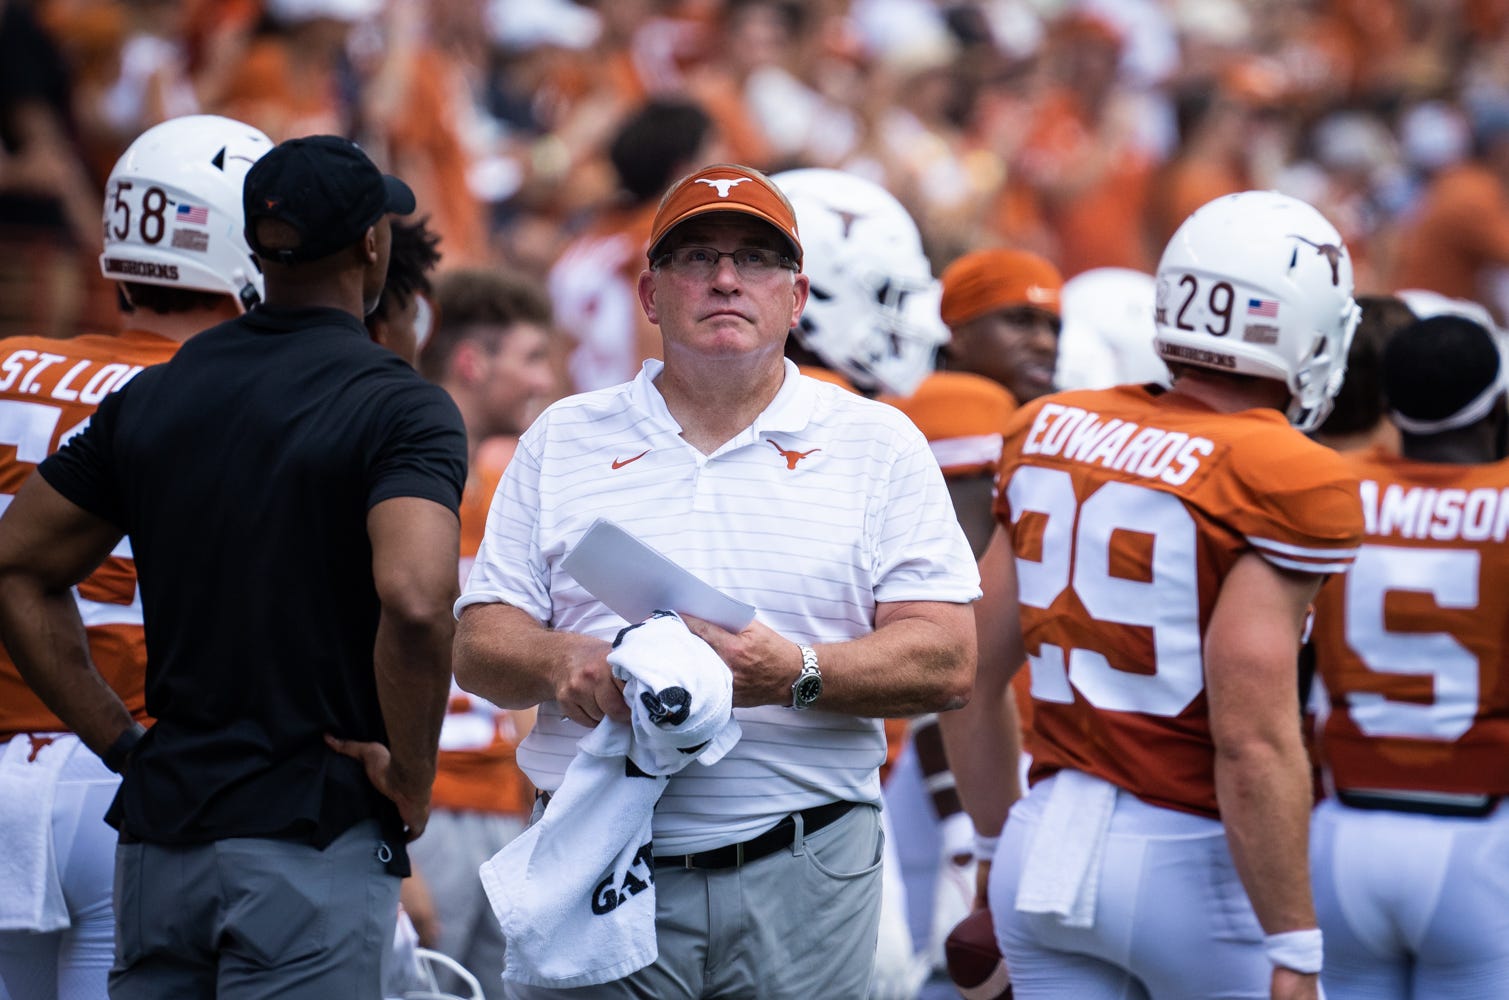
x=153, y=223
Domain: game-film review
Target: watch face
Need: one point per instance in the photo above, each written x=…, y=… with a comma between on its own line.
x=807, y=689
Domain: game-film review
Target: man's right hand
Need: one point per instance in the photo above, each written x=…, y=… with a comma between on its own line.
x=589, y=691
x=411, y=796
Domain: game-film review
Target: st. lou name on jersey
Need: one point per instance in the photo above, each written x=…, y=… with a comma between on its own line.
x=1085, y=436
x=1424, y=512
x=80, y=380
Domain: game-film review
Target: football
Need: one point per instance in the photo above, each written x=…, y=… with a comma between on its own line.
x=974, y=961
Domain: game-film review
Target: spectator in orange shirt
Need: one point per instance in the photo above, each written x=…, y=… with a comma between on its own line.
x=592, y=284
x=1459, y=232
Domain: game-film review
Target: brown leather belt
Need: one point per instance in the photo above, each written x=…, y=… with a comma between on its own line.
x=777, y=837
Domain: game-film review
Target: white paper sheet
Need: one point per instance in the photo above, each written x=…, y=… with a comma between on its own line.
x=634, y=580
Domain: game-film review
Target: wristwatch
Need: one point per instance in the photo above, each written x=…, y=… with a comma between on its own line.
x=809, y=683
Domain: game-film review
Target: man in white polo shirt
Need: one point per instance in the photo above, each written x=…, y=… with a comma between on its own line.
x=825, y=511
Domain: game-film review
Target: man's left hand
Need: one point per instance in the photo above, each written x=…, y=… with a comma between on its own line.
x=411, y=797
x=764, y=663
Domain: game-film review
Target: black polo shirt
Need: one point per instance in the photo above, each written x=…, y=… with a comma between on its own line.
x=243, y=471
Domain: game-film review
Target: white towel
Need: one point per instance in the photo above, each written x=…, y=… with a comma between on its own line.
x=1061, y=875
x=575, y=893
x=32, y=894
x=680, y=693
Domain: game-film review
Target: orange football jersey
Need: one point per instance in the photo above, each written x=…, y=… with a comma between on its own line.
x=1413, y=643
x=48, y=391
x=476, y=770
x=963, y=417
x=1127, y=509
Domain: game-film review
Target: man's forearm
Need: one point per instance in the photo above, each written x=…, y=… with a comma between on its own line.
x=45, y=637
x=984, y=744
x=413, y=667
x=509, y=658
x=1265, y=799
x=908, y=666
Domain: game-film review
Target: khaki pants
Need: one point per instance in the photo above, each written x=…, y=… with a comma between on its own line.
x=799, y=923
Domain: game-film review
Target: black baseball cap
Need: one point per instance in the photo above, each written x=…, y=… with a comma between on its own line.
x=326, y=188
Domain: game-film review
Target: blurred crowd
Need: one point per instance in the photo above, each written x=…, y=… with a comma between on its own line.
x=538, y=134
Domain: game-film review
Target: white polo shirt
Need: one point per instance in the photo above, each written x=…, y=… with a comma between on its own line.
x=826, y=505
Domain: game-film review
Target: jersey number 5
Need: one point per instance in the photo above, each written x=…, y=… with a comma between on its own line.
x=1450, y=576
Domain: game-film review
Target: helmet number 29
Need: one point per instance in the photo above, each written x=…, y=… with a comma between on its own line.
x=1218, y=303
x=1077, y=545
x=152, y=225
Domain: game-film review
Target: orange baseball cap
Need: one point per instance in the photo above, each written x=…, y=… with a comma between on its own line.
x=987, y=280
x=725, y=187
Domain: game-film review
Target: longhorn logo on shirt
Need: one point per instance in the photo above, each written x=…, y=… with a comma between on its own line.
x=37, y=743
x=792, y=457
x=723, y=185
x=1330, y=251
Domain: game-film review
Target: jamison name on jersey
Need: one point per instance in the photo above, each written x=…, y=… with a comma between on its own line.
x=1441, y=515
x=1085, y=436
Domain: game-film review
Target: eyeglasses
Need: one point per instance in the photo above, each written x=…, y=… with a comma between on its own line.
x=750, y=262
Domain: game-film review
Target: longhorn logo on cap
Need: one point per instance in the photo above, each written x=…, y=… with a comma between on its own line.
x=724, y=185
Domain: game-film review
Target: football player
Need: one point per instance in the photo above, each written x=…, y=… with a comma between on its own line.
x=173, y=244
x=1003, y=309
x=1410, y=849
x=872, y=322
x=1164, y=548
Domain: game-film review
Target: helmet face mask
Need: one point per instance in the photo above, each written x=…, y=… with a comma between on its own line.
x=873, y=312
x=173, y=215
x=1260, y=284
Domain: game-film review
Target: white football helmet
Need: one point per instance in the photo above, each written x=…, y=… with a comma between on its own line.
x=1107, y=336
x=872, y=314
x=173, y=211
x=1259, y=283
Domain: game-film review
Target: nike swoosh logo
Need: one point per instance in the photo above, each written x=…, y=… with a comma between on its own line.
x=620, y=463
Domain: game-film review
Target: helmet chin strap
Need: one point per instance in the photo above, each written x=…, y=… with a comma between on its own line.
x=247, y=293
